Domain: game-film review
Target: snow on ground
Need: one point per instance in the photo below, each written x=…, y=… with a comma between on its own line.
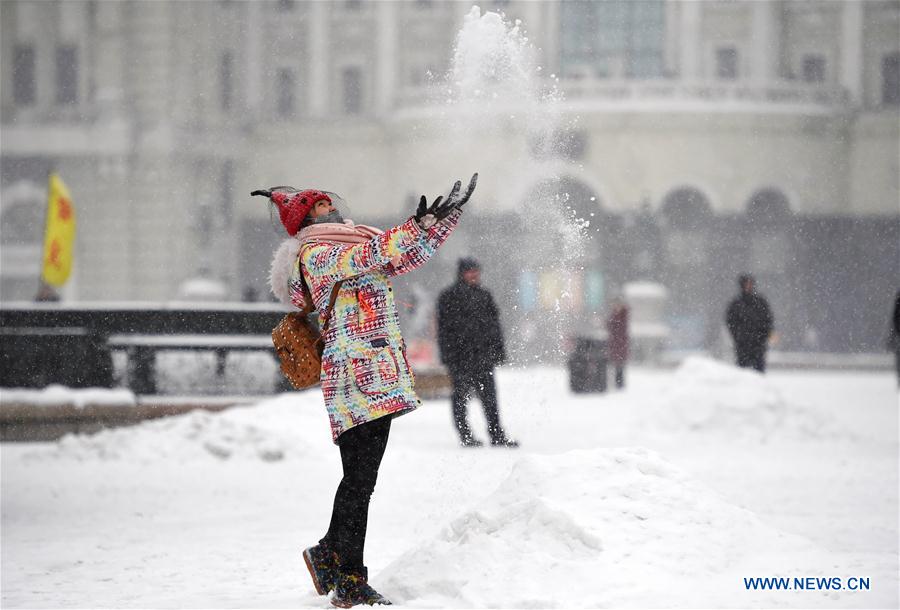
x=666, y=495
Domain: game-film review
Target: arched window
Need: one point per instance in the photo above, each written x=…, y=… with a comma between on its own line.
x=768, y=205
x=22, y=211
x=686, y=211
x=685, y=208
x=769, y=213
x=568, y=196
x=22, y=214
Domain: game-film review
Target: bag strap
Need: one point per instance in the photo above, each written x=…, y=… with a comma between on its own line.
x=307, y=294
x=334, y=292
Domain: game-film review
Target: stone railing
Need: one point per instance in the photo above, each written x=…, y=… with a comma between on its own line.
x=663, y=94
x=705, y=91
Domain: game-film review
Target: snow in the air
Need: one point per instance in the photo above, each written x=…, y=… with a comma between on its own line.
x=667, y=494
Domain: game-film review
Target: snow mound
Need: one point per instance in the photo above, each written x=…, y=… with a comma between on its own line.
x=707, y=395
x=268, y=431
x=584, y=529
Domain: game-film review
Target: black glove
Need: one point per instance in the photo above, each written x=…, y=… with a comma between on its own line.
x=442, y=208
x=261, y=193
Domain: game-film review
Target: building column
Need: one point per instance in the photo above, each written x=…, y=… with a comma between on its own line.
x=671, y=40
x=765, y=49
x=689, y=40
x=851, y=67
x=109, y=69
x=545, y=15
x=319, y=61
x=254, y=71
x=386, y=58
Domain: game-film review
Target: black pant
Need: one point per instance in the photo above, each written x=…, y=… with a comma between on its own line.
x=362, y=448
x=751, y=356
x=482, y=382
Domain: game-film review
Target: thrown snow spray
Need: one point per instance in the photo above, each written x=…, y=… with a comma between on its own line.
x=496, y=103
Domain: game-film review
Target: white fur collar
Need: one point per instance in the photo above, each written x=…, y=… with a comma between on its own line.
x=282, y=265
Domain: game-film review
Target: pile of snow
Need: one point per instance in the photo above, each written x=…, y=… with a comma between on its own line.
x=708, y=395
x=101, y=521
x=589, y=528
x=269, y=431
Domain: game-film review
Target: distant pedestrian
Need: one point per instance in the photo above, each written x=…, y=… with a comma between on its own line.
x=750, y=322
x=894, y=336
x=471, y=345
x=617, y=339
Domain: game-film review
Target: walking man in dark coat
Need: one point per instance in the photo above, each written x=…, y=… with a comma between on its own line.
x=749, y=320
x=894, y=335
x=471, y=345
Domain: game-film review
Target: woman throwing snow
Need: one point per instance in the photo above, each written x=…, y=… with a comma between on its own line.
x=366, y=379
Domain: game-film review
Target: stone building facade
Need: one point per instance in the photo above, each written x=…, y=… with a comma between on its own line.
x=709, y=138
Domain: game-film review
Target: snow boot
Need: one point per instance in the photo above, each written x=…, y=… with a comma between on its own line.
x=352, y=589
x=470, y=441
x=322, y=564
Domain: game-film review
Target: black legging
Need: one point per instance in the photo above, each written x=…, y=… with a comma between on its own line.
x=362, y=448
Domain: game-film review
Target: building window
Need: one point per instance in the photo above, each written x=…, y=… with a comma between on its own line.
x=727, y=63
x=23, y=75
x=352, y=87
x=890, y=80
x=286, y=88
x=226, y=76
x=66, y=74
x=612, y=38
x=814, y=69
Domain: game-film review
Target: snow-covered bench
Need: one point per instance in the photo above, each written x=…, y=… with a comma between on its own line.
x=142, y=348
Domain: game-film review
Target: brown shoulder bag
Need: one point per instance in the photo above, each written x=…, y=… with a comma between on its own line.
x=299, y=345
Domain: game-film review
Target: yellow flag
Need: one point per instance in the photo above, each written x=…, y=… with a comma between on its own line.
x=59, y=237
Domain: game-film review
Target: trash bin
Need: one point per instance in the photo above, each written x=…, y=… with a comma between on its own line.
x=587, y=365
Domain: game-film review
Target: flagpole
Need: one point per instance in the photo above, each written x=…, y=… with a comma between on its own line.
x=45, y=292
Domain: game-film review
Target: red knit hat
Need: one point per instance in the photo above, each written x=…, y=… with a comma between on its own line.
x=294, y=207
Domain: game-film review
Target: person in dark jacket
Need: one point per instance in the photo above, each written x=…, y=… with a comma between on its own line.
x=617, y=339
x=894, y=336
x=749, y=320
x=471, y=345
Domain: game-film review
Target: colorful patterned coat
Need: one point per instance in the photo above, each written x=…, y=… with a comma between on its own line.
x=365, y=373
